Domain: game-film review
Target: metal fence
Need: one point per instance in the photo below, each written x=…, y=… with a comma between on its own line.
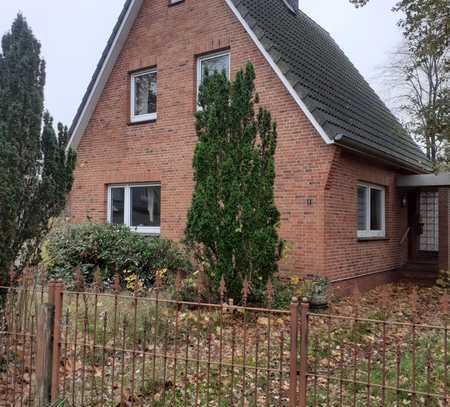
x=357, y=361
x=110, y=349
x=18, y=343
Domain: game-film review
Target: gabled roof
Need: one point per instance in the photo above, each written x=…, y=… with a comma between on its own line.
x=339, y=98
x=331, y=92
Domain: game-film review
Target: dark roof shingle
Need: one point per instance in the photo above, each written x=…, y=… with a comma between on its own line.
x=333, y=90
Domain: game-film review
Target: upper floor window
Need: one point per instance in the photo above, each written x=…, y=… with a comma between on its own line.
x=371, y=211
x=143, y=95
x=217, y=62
x=137, y=206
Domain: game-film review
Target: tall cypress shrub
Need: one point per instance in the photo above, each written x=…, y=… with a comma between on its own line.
x=35, y=171
x=232, y=223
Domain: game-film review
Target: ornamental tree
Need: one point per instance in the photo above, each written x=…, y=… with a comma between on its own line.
x=35, y=171
x=232, y=223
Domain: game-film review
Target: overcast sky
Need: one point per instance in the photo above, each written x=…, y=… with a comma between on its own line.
x=74, y=33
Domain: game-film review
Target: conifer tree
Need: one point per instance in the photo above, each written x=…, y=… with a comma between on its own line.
x=233, y=219
x=35, y=171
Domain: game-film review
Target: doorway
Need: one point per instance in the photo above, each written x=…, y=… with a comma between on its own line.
x=423, y=220
x=428, y=221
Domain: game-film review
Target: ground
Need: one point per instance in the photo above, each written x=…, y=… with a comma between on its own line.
x=405, y=354
x=128, y=350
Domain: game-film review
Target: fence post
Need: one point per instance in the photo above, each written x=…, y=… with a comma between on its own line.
x=57, y=301
x=304, y=353
x=293, y=353
x=44, y=355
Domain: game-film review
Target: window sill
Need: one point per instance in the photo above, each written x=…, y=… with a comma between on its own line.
x=136, y=123
x=146, y=230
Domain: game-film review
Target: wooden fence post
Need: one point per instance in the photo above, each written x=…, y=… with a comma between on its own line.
x=303, y=354
x=293, y=353
x=44, y=355
x=58, y=289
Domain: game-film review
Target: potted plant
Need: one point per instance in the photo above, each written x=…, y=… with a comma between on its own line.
x=312, y=289
x=319, y=292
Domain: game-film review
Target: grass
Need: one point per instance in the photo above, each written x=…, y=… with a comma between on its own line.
x=410, y=358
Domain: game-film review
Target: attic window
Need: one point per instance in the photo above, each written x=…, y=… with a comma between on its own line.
x=143, y=96
x=175, y=2
x=212, y=63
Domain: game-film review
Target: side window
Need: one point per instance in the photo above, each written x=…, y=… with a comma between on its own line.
x=371, y=211
x=143, y=96
x=136, y=206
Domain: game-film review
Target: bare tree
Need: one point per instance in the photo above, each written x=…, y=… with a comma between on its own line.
x=419, y=95
x=418, y=74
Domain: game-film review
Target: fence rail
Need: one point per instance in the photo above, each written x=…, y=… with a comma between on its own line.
x=109, y=349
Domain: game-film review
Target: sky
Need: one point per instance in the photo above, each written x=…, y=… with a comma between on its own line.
x=74, y=33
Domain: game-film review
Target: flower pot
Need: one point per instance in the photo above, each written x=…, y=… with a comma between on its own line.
x=318, y=300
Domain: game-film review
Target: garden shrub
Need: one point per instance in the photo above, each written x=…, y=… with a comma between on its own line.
x=282, y=291
x=194, y=287
x=233, y=221
x=111, y=249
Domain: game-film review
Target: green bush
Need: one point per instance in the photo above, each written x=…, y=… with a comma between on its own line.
x=233, y=221
x=111, y=249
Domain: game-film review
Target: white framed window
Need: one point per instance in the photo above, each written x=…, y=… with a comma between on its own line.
x=137, y=206
x=371, y=211
x=216, y=62
x=143, y=96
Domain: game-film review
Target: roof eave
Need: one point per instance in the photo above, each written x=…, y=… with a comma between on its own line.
x=441, y=179
x=362, y=149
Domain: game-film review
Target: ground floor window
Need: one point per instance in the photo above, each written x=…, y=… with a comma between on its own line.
x=137, y=206
x=371, y=211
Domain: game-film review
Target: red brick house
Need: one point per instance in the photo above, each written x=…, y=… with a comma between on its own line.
x=354, y=205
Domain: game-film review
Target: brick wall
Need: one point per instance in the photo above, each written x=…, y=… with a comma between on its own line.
x=346, y=256
x=309, y=197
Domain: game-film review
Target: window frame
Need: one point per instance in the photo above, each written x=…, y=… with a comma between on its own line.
x=368, y=233
x=206, y=57
x=141, y=117
x=147, y=230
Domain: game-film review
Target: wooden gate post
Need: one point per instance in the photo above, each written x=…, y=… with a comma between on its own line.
x=303, y=354
x=293, y=353
x=44, y=356
x=57, y=301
